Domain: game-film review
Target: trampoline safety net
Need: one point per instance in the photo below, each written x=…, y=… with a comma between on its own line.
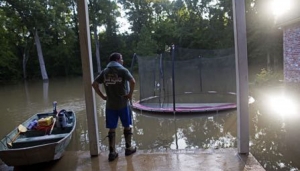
x=187, y=80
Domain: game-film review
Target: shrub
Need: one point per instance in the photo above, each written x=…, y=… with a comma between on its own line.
x=266, y=77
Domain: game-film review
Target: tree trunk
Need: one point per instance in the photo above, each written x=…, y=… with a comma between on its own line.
x=24, y=65
x=40, y=55
x=275, y=65
x=268, y=61
x=97, y=47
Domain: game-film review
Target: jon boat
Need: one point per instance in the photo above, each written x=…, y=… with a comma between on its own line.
x=25, y=146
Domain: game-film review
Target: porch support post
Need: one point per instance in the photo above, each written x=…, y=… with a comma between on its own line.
x=88, y=77
x=241, y=62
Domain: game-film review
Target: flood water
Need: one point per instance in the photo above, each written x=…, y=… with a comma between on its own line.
x=274, y=130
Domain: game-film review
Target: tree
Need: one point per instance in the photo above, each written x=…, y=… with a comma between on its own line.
x=103, y=14
x=51, y=27
x=8, y=59
x=95, y=8
x=32, y=15
x=146, y=46
x=264, y=38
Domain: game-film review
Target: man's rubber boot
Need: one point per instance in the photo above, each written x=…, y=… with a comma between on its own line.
x=112, y=149
x=129, y=150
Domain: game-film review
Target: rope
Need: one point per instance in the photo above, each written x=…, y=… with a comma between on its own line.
x=102, y=141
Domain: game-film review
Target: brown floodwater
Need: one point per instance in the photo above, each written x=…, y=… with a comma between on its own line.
x=274, y=121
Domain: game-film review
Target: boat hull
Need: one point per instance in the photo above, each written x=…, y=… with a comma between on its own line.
x=31, y=149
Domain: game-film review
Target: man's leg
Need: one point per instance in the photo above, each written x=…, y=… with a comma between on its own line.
x=111, y=124
x=128, y=135
x=126, y=120
x=112, y=145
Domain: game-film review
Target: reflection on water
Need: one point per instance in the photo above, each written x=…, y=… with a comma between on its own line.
x=273, y=139
x=189, y=131
x=283, y=105
x=274, y=131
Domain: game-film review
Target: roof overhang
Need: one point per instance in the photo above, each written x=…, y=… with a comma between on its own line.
x=290, y=17
x=290, y=22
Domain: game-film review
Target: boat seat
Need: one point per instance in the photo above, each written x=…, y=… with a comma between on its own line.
x=40, y=138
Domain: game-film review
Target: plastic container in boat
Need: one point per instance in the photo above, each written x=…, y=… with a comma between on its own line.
x=45, y=121
x=33, y=124
x=62, y=119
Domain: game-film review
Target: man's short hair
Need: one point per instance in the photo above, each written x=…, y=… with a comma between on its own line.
x=114, y=56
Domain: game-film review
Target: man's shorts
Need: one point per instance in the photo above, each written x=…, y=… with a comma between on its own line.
x=112, y=117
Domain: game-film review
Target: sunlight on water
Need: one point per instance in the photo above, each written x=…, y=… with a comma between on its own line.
x=251, y=100
x=283, y=105
x=179, y=140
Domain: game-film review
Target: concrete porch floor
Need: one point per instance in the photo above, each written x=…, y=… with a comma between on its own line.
x=174, y=160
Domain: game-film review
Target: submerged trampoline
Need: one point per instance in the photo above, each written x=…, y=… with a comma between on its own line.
x=187, y=80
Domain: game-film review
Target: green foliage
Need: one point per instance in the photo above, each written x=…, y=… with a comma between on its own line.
x=154, y=25
x=266, y=77
x=8, y=60
x=263, y=36
x=8, y=56
x=8, y=67
x=146, y=45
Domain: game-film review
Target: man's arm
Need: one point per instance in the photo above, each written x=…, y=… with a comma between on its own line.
x=131, y=86
x=95, y=85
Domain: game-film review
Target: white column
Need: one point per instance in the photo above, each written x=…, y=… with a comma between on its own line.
x=241, y=75
x=87, y=67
